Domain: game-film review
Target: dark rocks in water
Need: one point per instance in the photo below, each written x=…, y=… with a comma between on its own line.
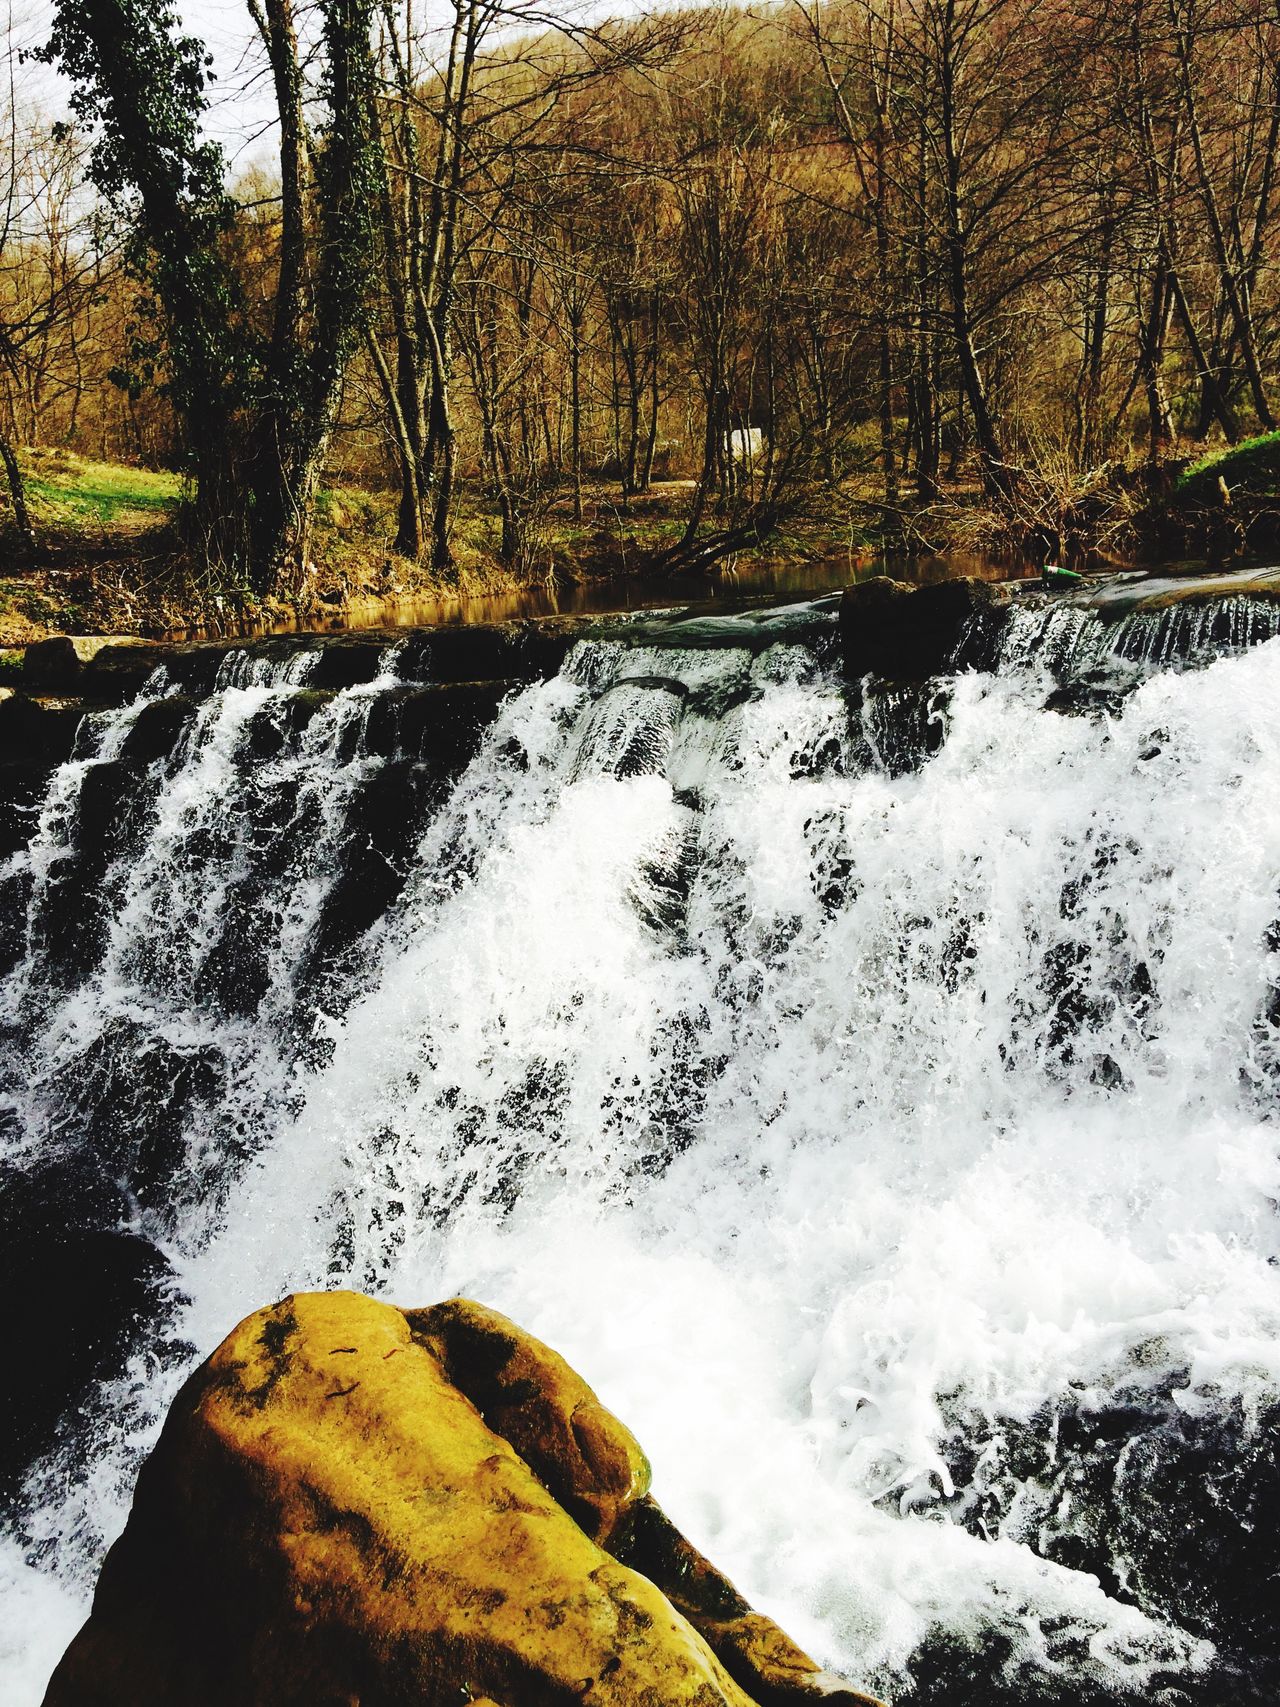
x=275, y=728
x=15, y=900
x=439, y=724
x=716, y=698
x=43, y=728
x=948, y=1672
x=92, y=1284
x=36, y=736
x=813, y=624
x=156, y=729
x=872, y=614
x=235, y=974
x=904, y=724
x=900, y=633
x=69, y=923
x=372, y=861
x=98, y=671
x=110, y=803
x=129, y=1098
x=1170, y=1504
x=52, y=665
x=350, y=1502
x=1095, y=693
x=662, y=884
x=23, y=785
x=427, y=736
x=661, y=684
x=517, y=651
x=631, y=728
x=336, y=661
x=118, y=671
x=92, y=665
x=1183, y=1503
x=112, y=671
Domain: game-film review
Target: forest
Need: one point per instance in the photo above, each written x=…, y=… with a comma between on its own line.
x=556, y=292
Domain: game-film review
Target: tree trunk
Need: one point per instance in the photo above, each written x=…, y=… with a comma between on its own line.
x=1236, y=300
x=996, y=475
x=1096, y=316
x=1151, y=357
x=1214, y=396
x=575, y=409
x=651, y=441
x=885, y=340
x=18, y=497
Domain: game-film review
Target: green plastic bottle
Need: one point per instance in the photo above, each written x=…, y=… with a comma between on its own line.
x=1054, y=575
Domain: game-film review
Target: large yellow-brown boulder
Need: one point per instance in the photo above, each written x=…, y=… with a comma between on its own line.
x=352, y=1505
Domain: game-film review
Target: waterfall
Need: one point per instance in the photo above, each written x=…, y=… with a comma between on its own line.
x=870, y=1092
x=1073, y=637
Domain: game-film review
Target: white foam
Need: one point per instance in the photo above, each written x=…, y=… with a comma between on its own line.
x=895, y=1191
x=41, y=1615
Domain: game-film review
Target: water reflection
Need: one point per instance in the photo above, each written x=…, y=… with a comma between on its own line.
x=730, y=585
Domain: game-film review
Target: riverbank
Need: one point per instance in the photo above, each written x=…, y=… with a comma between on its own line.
x=111, y=562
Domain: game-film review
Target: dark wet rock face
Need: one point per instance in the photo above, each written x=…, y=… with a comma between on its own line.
x=316, y=799
x=23, y=785
x=1094, y=693
x=523, y=650
x=38, y=731
x=439, y=725
x=67, y=1246
x=946, y=1670
x=51, y=665
x=904, y=724
x=69, y=922
x=130, y=1097
x=901, y=633
x=1096, y=628
x=1167, y=1497
x=157, y=729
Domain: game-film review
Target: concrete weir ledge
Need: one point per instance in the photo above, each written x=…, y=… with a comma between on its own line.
x=887, y=628
x=902, y=633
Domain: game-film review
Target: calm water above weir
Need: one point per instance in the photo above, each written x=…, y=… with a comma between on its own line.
x=726, y=588
x=872, y=1095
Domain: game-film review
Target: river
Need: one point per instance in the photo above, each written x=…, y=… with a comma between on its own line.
x=872, y=1096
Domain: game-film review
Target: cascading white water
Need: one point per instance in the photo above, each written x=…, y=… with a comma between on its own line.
x=1075, y=636
x=854, y=1133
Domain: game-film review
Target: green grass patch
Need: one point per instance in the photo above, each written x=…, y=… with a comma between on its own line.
x=68, y=492
x=350, y=511
x=1253, y=465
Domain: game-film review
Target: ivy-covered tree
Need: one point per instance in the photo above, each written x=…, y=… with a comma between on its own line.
x=257, y=408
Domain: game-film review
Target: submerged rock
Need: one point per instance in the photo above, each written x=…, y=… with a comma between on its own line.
x=350, y=1502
